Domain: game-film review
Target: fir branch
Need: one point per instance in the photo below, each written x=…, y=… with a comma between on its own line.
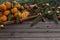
x=55, y=17
x=38, y=10
x=37, y=19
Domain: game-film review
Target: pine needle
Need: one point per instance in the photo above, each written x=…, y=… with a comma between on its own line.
x=55, y=18
x=37, y=20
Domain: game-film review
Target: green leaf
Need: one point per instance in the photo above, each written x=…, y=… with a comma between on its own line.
x=9, y=17
x=17, y=19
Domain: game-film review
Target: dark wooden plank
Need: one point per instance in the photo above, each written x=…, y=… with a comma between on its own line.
x=24, y=39
x=30, y=35
x=37, y=38
x=30, y=30
x=40, y=25
x=30, y=39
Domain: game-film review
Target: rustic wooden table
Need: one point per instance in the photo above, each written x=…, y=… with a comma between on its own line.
x=41, y=31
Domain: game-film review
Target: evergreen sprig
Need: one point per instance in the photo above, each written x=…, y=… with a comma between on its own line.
x=55, y=17
x=36, y=20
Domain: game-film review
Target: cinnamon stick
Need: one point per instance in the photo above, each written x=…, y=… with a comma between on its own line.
x=27, y=18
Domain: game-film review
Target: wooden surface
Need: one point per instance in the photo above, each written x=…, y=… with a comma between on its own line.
x=41, y=31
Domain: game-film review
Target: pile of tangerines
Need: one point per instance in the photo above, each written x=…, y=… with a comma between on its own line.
x=6, y=9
